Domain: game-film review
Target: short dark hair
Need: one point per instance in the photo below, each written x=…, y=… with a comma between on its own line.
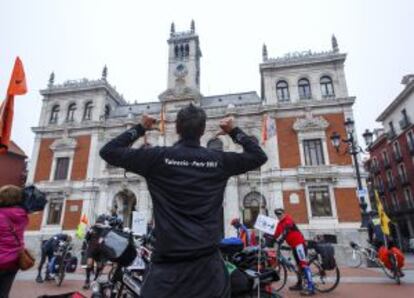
x=279, y=211
x=191, y=122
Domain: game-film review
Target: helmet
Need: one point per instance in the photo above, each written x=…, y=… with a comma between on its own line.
x=102, y=218
x=235, y=221
x=279, y=211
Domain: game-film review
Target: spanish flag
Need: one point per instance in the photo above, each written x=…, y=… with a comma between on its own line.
x=17, y=86
x=162, y=121
x=384, y=219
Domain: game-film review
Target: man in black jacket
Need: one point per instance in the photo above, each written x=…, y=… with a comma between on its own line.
x=186, y=183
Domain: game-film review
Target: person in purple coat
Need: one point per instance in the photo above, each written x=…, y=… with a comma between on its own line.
x=13, y=222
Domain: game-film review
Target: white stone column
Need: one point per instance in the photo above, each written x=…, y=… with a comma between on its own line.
x=33, y=160
x=231, y=206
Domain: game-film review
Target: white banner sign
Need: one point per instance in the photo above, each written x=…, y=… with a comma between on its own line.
x=139, y=223
x=266, y=224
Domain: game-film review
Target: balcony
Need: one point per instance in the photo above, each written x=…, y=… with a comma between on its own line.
x=404, y=180
x=392, y=186
x=387, y=164
x=411, y=148
x=398, y=157
x=375, y=169
x=381, y=190
x=391, y=134
x=404, y=123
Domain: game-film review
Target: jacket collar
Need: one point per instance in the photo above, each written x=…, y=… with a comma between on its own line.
x=188, y=143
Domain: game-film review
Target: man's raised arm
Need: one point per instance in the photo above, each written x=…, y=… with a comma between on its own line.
x=252, y=156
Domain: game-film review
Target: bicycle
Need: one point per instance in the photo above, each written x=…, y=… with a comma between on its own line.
x=325, y=280
x=63, y=256
x=359, y=252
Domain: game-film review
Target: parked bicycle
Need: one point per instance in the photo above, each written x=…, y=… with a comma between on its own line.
x=359, y=253
x=326, y=278
x=62, y=262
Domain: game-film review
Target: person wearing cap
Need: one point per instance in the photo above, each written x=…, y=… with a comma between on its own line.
x=287, y=230
x=248, y=238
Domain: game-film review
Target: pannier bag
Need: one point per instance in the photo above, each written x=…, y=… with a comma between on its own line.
x=383, y=255
x=118, y=247
x=327, y=254
x=33, y=199
x=71, y=264
x=231, y=245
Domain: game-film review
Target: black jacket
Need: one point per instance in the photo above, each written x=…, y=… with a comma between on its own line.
x=186, y=183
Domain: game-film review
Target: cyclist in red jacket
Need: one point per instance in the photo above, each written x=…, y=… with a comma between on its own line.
x=287, y=230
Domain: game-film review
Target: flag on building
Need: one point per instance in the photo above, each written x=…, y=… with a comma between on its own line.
x=17, y=86
x=81, y=229
x=162, y=121
x=268, y=128
x=384, y=219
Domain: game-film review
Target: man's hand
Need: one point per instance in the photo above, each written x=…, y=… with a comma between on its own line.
x=226, y=125
x=148, y=122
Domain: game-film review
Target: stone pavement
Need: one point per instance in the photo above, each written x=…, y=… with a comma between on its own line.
x=361, y=282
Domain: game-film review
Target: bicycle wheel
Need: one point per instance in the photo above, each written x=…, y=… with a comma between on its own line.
x=394, y=268
x=324, y=280
x=60, y=275
x=282, y=272
x=355, y=261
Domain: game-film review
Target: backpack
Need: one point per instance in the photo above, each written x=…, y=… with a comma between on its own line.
x=118, y=247
x=327, y=253
x=33, y=199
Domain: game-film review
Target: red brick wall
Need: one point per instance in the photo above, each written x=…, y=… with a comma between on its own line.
x=72, y=218
x=336, y=123
x=347, y=205
x=80, y=161
x=35, y=221
x=44, y=160
x=297, y=211
x=12, y=169
x=288, y=143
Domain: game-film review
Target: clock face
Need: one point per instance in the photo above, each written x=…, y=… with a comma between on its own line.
x=180, y=71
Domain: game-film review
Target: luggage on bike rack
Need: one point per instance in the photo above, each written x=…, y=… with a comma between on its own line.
x=231, y=245
x=327, y=253
x=383, y=255
x=71, y=264
x=119, y=247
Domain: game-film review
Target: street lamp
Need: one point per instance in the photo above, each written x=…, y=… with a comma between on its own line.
x=354, y=150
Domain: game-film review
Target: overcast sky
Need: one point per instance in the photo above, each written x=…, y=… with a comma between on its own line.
x=75, y=39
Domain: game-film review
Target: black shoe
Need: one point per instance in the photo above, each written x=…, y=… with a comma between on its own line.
x=297, y=287
x=307, y=292
x=39, y=279
x=48, y=278
x=86, y=286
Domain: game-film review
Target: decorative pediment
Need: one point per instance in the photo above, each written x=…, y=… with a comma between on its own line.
x=310, y=124
x=63, y=144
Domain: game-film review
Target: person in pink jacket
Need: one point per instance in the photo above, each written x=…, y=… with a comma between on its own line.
x=13, y=222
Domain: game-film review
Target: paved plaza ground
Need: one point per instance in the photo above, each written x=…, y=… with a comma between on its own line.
x=361, y=282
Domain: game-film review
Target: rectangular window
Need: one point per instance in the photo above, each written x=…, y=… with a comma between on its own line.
x=54, y=212
x=385, y=158
x=313, y=152
x=392, y=129
x=408, y=197
x=410, y=140
x=397, y=150
x=320, y=201
x=62, y=167
x=390, y=179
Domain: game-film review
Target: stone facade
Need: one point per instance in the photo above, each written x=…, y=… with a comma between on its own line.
x=304, y=173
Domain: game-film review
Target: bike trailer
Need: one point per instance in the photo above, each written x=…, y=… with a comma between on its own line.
x=327, y=253
x=119, y=247
x=231, y=245
x=71, y=264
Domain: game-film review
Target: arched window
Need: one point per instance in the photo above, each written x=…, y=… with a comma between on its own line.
x=107, y=111
x=215, y=144
x=87, y=115
x=282, y=91
x=251, y=204
x=327, y=87
x=71, y=112
x=304, y=89
x=176, y=51
x=54, y=114
x=187, y=50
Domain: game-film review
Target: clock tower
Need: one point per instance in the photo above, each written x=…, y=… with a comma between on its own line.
x=184, y=59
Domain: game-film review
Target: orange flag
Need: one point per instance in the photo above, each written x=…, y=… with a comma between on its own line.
x=17, y=86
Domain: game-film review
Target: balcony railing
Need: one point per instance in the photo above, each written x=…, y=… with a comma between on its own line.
x=398, y=157
x=391, y=134
x=404, y=123
x=411, y=147
x=392, y=186
x=404, y=180
x=387, y=164
x=381, y=190
x=375, y=169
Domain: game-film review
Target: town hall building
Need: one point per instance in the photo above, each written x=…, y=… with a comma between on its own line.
x=304, y=93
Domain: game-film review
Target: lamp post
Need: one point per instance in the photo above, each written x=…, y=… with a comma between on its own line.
x=354, y=150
